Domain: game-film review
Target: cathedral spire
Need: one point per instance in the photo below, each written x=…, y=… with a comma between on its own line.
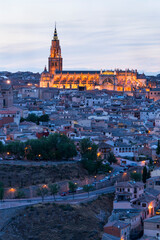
x=55, y=33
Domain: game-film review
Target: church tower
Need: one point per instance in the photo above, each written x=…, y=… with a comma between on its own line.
x=55, y=59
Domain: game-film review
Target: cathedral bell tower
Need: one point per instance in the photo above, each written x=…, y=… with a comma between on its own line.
x=55, y=59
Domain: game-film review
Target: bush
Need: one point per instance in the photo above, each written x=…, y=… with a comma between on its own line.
x=66, y=207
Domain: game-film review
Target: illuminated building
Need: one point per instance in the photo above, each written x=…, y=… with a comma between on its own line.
x=117, y=80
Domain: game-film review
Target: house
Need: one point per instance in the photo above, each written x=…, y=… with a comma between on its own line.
x=103, y=150
x=126, y=193
x=8, y=116
x=118, y=229
x=130, y=216
x=154, y=93
x=147, y=203
x=123, y=149
x=152, y=227
x=6, y=95
x=154, y=183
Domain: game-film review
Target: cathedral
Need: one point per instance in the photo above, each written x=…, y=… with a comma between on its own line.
x=56, y=77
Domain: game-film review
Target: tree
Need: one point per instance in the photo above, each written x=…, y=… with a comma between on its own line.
x=19, y=194
x=53, y=189
x=88, y=149
x=42, y=191
x=1, y=147
x=158, y=148
x=32, y=118
x=111, y=158
x=16, y=148
x=22, y=119
x=44, y=118
x=85, y=145
x=72, y=188
x=1, y=191
x=88, y=152
x=135, y=176
x=53, y=147
x=144, y=174
x=88, y=188
x=148, y=174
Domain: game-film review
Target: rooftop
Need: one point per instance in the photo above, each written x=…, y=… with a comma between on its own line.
x=155, y=219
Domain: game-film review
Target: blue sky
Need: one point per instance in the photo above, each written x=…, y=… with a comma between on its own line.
x=94, y=34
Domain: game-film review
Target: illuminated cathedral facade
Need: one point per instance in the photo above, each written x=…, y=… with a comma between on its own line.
x=56, y=77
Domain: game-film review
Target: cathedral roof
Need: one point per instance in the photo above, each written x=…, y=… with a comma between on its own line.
x=78, y=72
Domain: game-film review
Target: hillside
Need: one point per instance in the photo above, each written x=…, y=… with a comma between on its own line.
x=53, y=221
x=21, y=176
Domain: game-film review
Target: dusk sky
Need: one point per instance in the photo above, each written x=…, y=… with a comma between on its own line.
x=94, y=34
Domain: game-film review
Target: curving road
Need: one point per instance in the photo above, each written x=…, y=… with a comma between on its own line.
x=78, y=197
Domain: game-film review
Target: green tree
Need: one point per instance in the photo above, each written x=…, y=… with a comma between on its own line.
x=148, y=174
x=32, y=118
x=87, y=188
x=42, y=191
x=54, y=147
x=72, y=188
x=111, y=158
x=85, y=145
x=15, y=148
x=44, y=118
x=144, y=174
x=22, y=119
x=54, y=188
x=20, y=194
x=158, y=148
x=61, y=147
x=1, y=191
x=135, y=176
x=1, y=147
x=88, y=152
x=88, y=149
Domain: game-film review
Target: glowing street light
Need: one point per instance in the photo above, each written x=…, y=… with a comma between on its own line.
x=12, y=190
x=98, y=154
x=8, y=81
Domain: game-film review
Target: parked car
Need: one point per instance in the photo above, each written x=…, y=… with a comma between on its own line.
x=71, y=192
x=64, y=194
x=10, y=158
x=158, y=212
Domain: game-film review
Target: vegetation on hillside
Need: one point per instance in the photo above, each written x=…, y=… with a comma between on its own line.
x=90, y=159
x=34, y=118
x=54, y=147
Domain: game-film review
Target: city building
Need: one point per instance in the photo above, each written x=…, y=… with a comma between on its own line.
x=118, y=229
x=117, y=80
x=152, y=227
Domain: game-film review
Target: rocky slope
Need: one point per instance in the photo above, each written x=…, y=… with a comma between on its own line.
x=54, y=221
